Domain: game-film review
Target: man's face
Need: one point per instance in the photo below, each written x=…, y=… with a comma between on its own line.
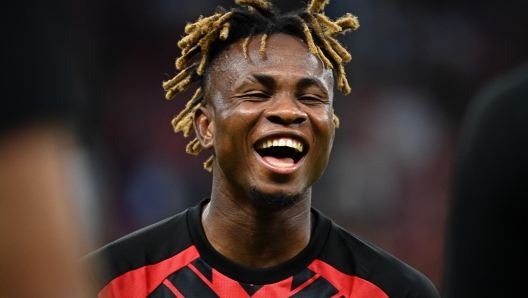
x=271, y=116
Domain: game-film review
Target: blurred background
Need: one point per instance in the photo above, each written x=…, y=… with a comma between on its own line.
x=416, y=67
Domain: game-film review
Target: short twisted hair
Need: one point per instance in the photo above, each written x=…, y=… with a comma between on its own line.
x=211, y=35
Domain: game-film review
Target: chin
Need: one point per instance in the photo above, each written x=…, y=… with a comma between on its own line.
x=278, y=200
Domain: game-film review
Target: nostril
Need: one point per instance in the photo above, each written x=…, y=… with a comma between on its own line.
x=299, y=120
x=286, y=120
x=275, y=119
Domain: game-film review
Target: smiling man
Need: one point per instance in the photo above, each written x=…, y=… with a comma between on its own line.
x=264, y=109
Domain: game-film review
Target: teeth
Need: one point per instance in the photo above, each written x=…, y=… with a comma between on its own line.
x=281, y=142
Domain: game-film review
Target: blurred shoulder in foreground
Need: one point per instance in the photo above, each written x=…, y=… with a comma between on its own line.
x=485, y=256
x=41, y=236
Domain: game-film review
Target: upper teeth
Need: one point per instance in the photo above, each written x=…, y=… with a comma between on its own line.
x=280, y=142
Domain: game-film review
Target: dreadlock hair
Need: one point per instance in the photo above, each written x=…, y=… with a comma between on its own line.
x=211, y=35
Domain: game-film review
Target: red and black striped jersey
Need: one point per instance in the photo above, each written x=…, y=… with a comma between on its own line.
x=174, y=259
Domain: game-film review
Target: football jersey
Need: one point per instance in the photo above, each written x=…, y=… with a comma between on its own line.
x=173, y=258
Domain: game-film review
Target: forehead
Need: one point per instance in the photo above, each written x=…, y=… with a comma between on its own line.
x=285, y=55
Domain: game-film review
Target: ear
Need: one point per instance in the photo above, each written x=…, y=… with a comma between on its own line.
x=204, y=127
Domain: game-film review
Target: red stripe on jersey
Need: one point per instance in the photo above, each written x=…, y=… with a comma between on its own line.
x=224, y=286
x=278, y=289
x=304, y=285
x=173, y=289
x=350, y=286
x=200, y=275
x=139, y=283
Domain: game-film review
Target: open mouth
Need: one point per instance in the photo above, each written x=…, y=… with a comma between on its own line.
x=281, y=152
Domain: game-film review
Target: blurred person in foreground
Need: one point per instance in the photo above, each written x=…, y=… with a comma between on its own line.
x=41, y=237
x=264, y=107
x=485, y=254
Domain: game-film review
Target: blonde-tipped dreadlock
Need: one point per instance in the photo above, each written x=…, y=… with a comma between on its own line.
x=210, y=35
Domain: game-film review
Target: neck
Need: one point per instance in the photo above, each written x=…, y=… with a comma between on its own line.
x=253, y=235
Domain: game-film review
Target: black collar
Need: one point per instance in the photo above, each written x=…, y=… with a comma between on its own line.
x=250, y=275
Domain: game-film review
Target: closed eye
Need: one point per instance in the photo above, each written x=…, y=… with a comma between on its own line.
x=259, y=95
x=312, y=99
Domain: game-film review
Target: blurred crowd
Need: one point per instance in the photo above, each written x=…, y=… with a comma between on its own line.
x=416, y=66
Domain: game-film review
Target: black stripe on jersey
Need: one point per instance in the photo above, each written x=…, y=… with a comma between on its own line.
x=301, y=277
x=204, y=269
x=190, y=284
x=250, y=289
x=319, y=288
x=147, y=246
x=362, y=259
x=162, y=292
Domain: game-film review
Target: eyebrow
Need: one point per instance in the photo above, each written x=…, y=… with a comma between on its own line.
x=307, y=82
x=302, y=83
x=265, y=80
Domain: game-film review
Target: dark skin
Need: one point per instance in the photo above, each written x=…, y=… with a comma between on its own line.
x=285, y=94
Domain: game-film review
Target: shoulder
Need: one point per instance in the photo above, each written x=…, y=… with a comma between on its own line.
x=355, y=256
x=146, y=246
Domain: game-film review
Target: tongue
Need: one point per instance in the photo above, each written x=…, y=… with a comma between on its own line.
x=278, y=160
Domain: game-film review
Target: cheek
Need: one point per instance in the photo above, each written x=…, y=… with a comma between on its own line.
x=238, y=115
x=325, y=136
x=325, y=132
x=324, y=125
x=232, y=127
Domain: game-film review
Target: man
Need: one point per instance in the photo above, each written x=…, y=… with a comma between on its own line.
x=485, y=251
x=264, y=108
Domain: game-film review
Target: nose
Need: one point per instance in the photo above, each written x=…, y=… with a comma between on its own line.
x=285, y=109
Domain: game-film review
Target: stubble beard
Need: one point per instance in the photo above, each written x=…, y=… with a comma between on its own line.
x=278, y=200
